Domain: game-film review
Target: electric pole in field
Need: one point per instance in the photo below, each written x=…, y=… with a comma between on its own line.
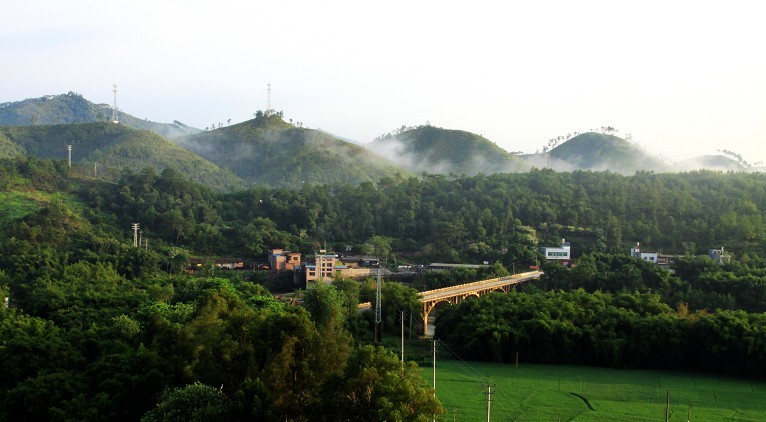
x=489, y=394
x=69, y=155
x=434, y=341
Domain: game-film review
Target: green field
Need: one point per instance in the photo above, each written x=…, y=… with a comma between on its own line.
x=578, y=393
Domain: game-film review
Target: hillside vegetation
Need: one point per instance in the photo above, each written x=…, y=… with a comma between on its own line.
x=267, y=150
x=113, y=147
x=96, y=328
x=73, y=108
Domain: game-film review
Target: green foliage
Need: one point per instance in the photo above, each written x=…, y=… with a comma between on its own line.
x=375, y=386
x=596, y=151
x=73, y=108
x=622, y=330
x=269, y=151
x=113, y=147
x=194, y=402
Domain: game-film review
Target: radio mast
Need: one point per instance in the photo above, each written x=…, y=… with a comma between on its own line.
x=269, y=111
x=114, y=107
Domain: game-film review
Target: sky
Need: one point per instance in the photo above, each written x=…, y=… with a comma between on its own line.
x=683, y=78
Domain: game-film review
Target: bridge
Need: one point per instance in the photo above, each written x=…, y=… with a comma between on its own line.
x=456, y=294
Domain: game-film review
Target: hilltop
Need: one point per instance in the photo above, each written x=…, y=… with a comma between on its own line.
x=73, y=108
x=112, y=147
x=432, y=149
x=268, y=150
x=598, y=152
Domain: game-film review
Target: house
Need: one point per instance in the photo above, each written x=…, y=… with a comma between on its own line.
x=561, y=254
x=663, y=260
x=282, y=260
x=324, y=267
x=719, y=256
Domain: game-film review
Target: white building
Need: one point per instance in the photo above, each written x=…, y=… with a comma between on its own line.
x=561, y=254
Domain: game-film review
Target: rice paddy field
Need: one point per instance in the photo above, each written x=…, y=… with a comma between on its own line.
x=578, y=393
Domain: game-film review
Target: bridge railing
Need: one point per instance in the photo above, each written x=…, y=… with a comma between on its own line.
x=474, y=284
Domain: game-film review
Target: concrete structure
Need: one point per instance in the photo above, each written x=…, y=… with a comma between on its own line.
x=323, y=268
x=719, y=256
x=282, y=260
x=561, y=254
x=456, y=294
x=664, y=261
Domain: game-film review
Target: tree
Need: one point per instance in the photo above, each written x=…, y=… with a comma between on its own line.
x=374, y=387
x=194, y=402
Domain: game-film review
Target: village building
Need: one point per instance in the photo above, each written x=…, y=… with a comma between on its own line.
x=561, y=254
x=282, y=260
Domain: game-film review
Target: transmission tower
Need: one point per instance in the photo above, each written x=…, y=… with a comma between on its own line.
x=269, y=111
x=135, y=234
x=114, y=107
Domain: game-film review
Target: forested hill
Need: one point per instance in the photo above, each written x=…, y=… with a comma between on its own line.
x=73, y=108
x=268, y=150
x=112, y=147
x=599, y=152
x=436, y=150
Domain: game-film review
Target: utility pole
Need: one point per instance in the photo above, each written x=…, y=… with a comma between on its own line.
x=135, y=234
x=667, y=405
x=69, y=155
x=489, y=394
x=434, y=340
x=377, y=304
x=402, y=340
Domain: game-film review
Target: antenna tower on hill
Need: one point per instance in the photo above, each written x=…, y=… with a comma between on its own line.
x=114, y=107
x=269, y=111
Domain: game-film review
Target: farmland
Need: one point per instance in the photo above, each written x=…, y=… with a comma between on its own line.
x=579, y=393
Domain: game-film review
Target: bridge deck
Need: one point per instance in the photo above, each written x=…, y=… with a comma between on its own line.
x=461, y=289
x=455, y=294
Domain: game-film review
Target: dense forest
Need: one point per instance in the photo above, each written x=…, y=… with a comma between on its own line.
x=96, y=328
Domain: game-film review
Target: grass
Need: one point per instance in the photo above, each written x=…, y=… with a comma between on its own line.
x=578, y=393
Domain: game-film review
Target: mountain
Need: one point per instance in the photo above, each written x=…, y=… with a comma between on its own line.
x=268, y=150
x=710, y=162
x=73, y=108
x=113, y=147
x=435, y=150
x=598, y=152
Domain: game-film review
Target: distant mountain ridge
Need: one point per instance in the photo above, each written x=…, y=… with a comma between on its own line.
x=73, y=108
x=268, y=150
x=436, y=150
x=114, y=147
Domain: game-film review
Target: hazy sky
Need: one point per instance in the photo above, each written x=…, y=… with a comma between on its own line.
x=685, y=78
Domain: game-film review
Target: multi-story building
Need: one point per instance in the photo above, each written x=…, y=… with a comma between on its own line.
x=281, y=260
x=323, y=268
